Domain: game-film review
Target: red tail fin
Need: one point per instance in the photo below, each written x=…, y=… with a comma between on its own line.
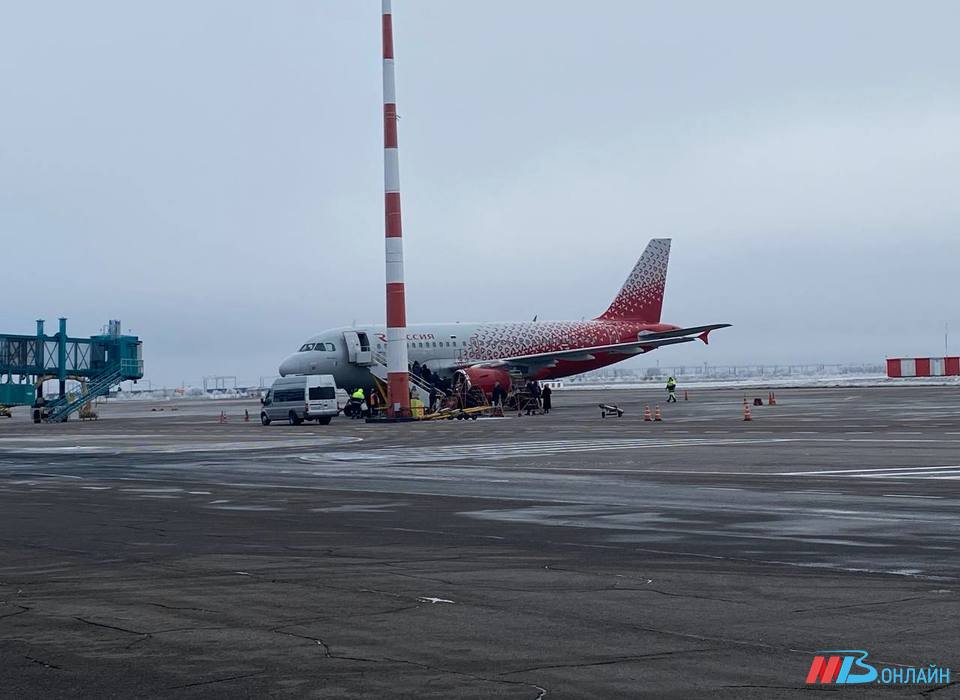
x=641, y=297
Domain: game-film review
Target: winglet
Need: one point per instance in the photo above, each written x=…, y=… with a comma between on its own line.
x=705, y=336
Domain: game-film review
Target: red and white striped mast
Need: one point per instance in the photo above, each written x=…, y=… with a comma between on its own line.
x=398, y=381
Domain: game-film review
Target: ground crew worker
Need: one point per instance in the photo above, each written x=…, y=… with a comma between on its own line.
x=357, y=399
x=372, y=402
x=547, y=402
x=671, y=390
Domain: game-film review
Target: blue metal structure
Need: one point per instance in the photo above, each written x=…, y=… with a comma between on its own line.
x=100, y=362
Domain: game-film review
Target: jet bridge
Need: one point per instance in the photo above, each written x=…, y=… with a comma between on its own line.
x=99, y=363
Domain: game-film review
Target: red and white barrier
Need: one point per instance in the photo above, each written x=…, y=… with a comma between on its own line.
x=923, y=367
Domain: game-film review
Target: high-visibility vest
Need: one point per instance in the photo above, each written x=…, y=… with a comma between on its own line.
x=416, y=408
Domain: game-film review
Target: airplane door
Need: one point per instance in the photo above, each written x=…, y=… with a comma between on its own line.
x=364, y=354
x=353, y=345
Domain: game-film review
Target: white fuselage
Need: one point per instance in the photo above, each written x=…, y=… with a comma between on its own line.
x=349, y=354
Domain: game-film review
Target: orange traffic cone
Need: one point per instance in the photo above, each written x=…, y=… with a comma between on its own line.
x=772, y=400
x=646, y=413
x=746, y=411
x=656, y=414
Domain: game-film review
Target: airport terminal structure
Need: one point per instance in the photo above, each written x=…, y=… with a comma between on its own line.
x=98, y=363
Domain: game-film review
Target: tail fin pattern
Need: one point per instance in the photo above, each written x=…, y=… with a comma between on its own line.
x=641, y=297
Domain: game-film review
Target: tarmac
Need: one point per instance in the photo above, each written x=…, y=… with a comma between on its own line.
x=161, y=553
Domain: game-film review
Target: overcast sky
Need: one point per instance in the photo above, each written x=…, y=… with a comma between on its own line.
x=211, y=172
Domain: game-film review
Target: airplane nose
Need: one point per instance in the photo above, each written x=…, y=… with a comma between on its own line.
x=288, y=366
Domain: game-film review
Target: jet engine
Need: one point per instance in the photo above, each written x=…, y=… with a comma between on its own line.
x=482, y=378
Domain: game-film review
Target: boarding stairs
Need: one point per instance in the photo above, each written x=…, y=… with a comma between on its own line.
x=519, y=398
x=58, y=410
x=379, y=370
x=518, y=380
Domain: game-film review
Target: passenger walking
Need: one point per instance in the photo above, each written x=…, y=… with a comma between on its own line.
x=547, y=401
x=671, y=390
x=498, y=396
x=534, y=404
x=530, y=400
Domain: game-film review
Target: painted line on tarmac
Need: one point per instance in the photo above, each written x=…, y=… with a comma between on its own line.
x=907, y=495
x=500, y=451
x=863, y=470
x=184, y=447
x=878, y=472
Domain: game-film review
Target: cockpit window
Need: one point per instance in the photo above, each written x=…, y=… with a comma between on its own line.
x=306, y=347
x=331, y=347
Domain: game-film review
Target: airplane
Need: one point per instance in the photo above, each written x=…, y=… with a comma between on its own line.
x=482, y=354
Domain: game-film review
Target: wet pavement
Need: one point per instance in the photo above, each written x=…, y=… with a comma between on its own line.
x=561, y=556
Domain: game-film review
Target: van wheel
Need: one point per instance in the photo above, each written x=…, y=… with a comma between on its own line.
x=264, y=419
x=292, y=417
x=323, y=420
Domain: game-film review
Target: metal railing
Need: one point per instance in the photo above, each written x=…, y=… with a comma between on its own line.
x=416, y=379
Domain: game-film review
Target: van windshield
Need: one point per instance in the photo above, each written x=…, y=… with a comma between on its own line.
x=318, y=393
